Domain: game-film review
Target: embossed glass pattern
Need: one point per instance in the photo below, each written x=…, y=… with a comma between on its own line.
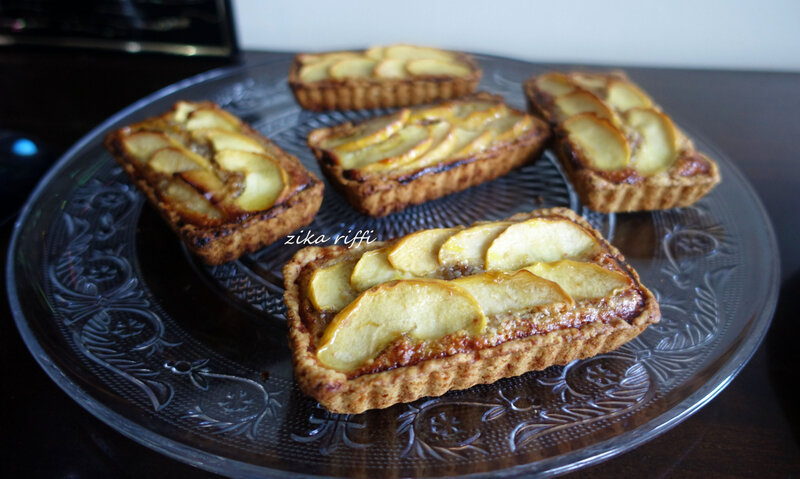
x=192, y=360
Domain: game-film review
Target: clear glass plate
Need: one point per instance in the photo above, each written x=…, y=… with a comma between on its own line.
x=192, y=360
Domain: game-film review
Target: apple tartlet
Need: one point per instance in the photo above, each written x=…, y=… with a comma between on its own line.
x=618, y=148
x=415, y=155
x=223, y=187
x=449, y=308
x=381, y=77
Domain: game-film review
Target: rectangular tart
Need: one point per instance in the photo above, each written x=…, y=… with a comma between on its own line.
x=224, y=188
x=415, y=155
x=618, y=148
x=449, y=308
x=381, y=77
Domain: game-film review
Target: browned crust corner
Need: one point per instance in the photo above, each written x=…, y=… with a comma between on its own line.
x=437, y=376
x=357, y=94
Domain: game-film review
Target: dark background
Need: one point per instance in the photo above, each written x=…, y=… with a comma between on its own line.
x=752, y=429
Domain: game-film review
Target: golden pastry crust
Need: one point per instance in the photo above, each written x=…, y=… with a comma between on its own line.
x=342, y=393
x=363, y=93
x=227, y=238
x=690, y=178
x=380, y=195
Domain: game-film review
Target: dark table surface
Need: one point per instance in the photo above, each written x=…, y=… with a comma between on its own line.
x=751, y=429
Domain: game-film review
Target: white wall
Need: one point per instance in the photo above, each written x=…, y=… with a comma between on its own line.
x=763, y=35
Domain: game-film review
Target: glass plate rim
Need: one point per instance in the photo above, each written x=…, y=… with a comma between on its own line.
x=196, y=457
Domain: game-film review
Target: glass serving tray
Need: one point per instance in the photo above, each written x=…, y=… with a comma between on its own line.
x=192, y=360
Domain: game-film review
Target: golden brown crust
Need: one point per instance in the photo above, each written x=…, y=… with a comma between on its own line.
x=361, y=93
x=376, y=195
x=434, y=377
x=222, y=241
x=693, y=175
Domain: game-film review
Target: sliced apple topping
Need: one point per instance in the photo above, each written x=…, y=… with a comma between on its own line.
x=376, y=52
x=211, y=118
x=498, y=292
x=142, y=144
x=264, y=180
x=181, y=110
x=555, y=84
x=408, y=143
x=582, y=101
x=171, y=160
x=413, y=52
x=582, y=280
x=475, y=143
x=230, y=140
x=370, y=132
x=373, y=268
x=509, y=128
x=539, y=240
x=315, y=67
x=590, y=81
x=433, y=66
x=623, y=95
x=187, y=198
x=658, y=148
x=442, y=141
x=479, y=118
x=329, y=288
x=468, y=246
x=422, y=309
x=602, y=144
x=352, y=68
x=418, y=253
x=390, y=68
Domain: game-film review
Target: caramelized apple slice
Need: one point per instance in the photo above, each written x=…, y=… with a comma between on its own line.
x=582, y=101
x=410, y=142
x=369, y=133
x=555, y=84
x=142, y=144
x=539, y=240
x=373, y=268
x=658, y=149
x=412, y=52
x=189, y=201
x=171, y=160
x=498, y=292
x=468, y=246
x=441, y=142
x=602, y=144
x=582, y=280
x=181, y=110
x=229, y=140
x=436, y=67
x=211, y=118
x=476, y=144
x=390, y=68
x=206, y=182
x=589, y=81
x=479, y=118
x=315, y=66
x=265, y=182
x=624, y=95
x=509, y=128
x=352, y=68
x=423, y=309
x=418, y=253
x=329, y=288
x=376, y=53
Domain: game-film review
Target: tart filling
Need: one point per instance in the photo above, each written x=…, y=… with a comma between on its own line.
x=208, y=165
x=440, y=292
x=412, y=140
x=383, y=62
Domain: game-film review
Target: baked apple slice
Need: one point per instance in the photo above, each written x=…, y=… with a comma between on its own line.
x=602, y=144
x=230, y=140
x=555, y=84
x=582, y=101
x=582, y=280
x=422, y=309
x=352, y=68
x=417, y=254
x=142, y=144
x=371, y=132
x=623, y=96
x=499, y=292
x=211, y=118
x=408, y=143
x=540, y=240
x=658, y=148
x=373, y=268
x=265, y=182
x=329, y=288
x=467, y=248
x=390, y=68
x=172, y=159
